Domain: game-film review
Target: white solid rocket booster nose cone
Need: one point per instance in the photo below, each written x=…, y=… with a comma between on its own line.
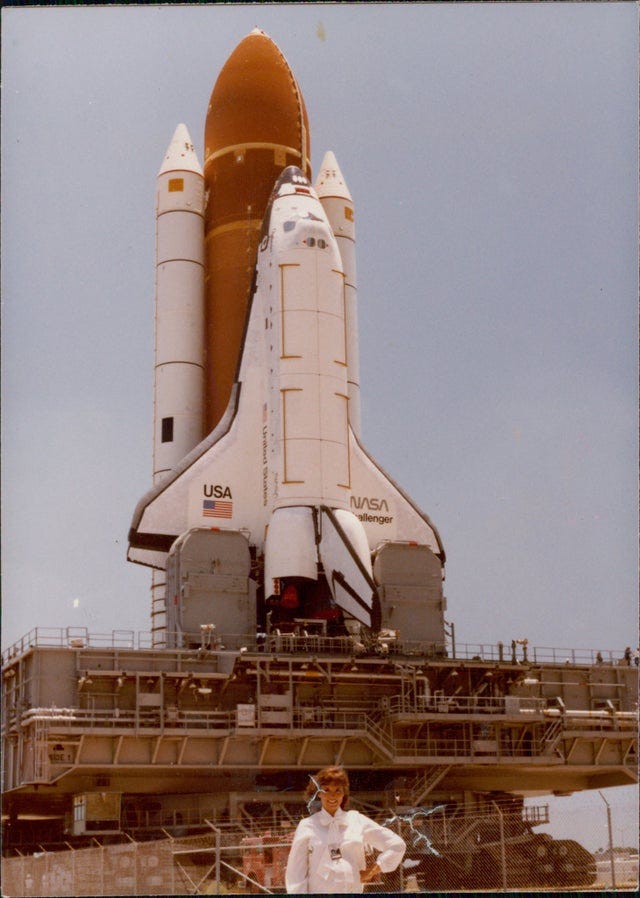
x=330, y=181
x=181, y=155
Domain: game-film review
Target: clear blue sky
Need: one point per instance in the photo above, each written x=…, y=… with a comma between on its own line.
x=491, y=151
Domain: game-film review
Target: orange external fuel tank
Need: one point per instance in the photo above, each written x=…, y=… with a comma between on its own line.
x=256, y=125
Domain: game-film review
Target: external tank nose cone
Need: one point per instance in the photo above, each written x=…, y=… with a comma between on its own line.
x=256, y=99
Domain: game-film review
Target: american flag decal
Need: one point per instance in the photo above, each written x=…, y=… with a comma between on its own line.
x=217, y=508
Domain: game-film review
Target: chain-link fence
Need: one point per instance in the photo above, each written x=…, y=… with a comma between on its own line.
x=448, y=850
x=133, y=868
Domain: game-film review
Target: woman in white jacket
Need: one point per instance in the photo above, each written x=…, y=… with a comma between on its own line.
x=328, y=851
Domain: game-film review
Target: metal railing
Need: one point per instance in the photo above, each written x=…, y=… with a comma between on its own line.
x=292, y=643
x=465, y=704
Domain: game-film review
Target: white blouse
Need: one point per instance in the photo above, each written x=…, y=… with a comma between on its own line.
x=328, y=853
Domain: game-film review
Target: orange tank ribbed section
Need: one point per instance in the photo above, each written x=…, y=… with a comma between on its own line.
x=256, y=125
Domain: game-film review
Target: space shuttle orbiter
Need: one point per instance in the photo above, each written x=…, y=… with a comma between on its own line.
x=282, y=466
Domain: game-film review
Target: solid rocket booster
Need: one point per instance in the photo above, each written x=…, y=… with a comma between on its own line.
x=178, y=401
x=179, y=312
x=336, y=201
x=256, y=125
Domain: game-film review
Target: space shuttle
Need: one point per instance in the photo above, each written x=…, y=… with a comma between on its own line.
x=266, y=510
